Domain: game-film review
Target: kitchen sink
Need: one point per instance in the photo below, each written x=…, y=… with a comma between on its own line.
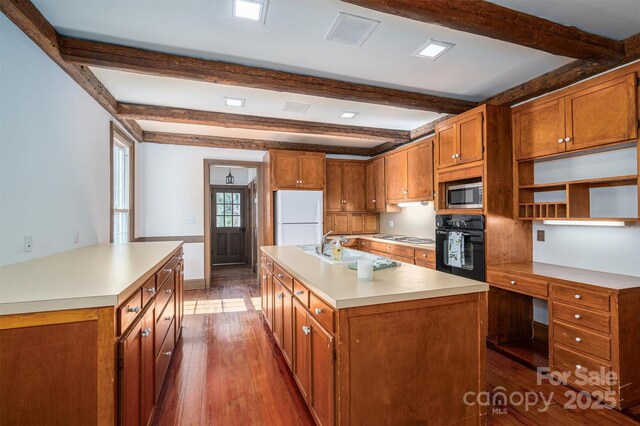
x=348, y=255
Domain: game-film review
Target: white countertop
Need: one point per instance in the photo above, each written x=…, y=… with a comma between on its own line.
x=89, y=277
x=339, y=286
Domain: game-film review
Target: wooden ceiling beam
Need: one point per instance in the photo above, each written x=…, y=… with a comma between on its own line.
x=29, y=19
x=500, y=23
x=130, y=59
x=251, y=144
x=240, y=121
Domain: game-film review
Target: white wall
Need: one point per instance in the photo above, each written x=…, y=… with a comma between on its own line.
x=170, y=186
x=415, y=221
x=242, y=176
x=54, y=154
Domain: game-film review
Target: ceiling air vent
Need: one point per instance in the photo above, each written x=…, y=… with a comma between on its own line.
x=295, y=107
x=351, y=29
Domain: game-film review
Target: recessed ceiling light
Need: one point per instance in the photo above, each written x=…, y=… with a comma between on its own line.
x=433, y=49
x=348, y=114
x=295, y=107
x=234, y=102
x=351, y=29
x=252, y=10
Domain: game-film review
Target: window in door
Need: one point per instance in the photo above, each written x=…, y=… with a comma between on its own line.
x=122, y=172
x=228, y=210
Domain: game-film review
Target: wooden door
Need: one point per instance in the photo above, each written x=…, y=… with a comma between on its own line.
x=228, y=242
x=379, y=185
x=395, y=168
x=311, y=170
x=356, y=223
x=130, y=382
x=333, y=189
x=301, y=345
x=469, y=139
x=602, y=114
x=420, y=171
x=284, y=169
x=287, y=326
x=148, y=364
x=447, y=146
x=322, y=374
x=341, y=223
x=353, y=184
x=371, y=223
x=370, y=188
x=278, y=310
x=539, y=129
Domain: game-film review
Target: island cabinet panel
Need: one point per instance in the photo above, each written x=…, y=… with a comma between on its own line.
x=179, y=298
x=266, y=288
x=322, y=374
x=302, y=347
x=282, y=324
x=297, y=170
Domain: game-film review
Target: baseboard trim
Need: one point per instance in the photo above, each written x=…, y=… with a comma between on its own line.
x=197, y=284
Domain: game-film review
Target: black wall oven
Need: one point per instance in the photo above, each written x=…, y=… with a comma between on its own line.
x=460, y=245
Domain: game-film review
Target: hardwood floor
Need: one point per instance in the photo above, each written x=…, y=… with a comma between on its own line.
x=226, y=370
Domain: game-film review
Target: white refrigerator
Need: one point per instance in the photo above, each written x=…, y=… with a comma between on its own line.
x=298, y=217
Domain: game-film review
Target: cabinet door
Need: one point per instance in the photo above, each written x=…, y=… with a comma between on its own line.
x=130, y=348
x=353, y=184
x=370, y=223
x=301, y=345
x=356, y=223
x=148, y=365
x=312, y=171
x=396, y=176
x=278, y=306
x=333, y=190
x=322, y=374
x=370, y=188
x=179, y=298
x=341, y=223
x=267, y=296
x=284, y=170
x=447, y=146
x=539, y=130
x=379, y=185
x=327, y=224
x=287, y=326
x=420, y=171
x=602, y=114
x=469, y=139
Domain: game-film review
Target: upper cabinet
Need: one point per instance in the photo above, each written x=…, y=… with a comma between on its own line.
x=460, y=140
x=376, y=197
x=409, y=173
x=297, y=170
x=584, y=116
x=345, y=189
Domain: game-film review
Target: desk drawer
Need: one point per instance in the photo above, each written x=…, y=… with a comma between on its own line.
x=301, y=293
x=578, y=297
x=322, y=312
x=530, y=286
x=582, y=317
x=393, y=249
x=577, y=364
x=283, y=277
x=128, y=312
x=582, y=340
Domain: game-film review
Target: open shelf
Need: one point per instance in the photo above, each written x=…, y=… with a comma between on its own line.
x=541, y=211
x=592, y=183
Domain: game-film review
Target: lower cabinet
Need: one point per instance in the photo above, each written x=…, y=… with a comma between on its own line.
x=266, y=289
x=282, y=325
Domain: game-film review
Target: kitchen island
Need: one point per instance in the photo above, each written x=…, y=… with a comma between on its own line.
x=404, y=348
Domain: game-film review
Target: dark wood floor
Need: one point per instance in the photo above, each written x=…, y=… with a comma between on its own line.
x=226, y=370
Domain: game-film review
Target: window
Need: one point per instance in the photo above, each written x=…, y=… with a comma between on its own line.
x=228, y=210
x=122, y=172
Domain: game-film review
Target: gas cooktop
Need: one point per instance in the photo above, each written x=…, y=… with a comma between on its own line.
x=404, y=239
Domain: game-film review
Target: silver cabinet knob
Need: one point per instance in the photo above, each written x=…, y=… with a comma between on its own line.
x=169, y=291
x=567, y=139
x=150, y=289
x=560, y=140
x=453, y=156
x=457, y=155
x=146, y=332
x=373, y=201
x=299, y=292
x=135, y=309
x=264, y=277
x=306, y=330
x=168, y=353
x=424, y=254
x=578, y=316
x=578, y=339
x=318, y=311
x=405, y=191
x=577, y=296
x=167, y=270
x=388, y=247
x=280, y=275
x=578, y=367
x=279, y=296
x=513, y=282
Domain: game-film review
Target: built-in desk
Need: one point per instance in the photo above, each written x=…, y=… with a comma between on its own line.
x=594, y=323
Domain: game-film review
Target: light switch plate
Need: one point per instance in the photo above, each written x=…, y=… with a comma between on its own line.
x=540, y=235
x=28, y=243
x=191, y=220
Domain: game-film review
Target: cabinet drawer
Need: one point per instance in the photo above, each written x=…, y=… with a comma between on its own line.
x=426, y=263
x=582, y=340
x=379, y=253
x=165, y=272
x=301, y=293
x=129, y=311
x=529, y=286
x=582, y=317
x=364, y=245
x=322, y=312
x=164, y=294
x=163, y=321
x=283, y=277
x=164, y=358
x=393, y=249
x=577, y=297
x=268, y=263
x=429, y=255
x=404, y=259
x=575, y=363
x=148, y=290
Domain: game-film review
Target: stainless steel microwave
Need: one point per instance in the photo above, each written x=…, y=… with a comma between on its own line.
x=465, y=196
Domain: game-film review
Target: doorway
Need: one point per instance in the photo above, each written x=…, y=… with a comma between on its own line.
x=229, y=217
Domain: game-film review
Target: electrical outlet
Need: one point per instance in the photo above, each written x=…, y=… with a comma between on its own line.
x=28, y=243
x=191, y=220
x=391, y=224
x=540, y=235
x=76, y=236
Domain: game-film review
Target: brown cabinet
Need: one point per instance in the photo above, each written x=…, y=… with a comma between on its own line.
x=179, y=298
x=282, y=332
x=409, y=173
x=297, y=169
x=585, y=116
x=351, y=223
x=302, y=346
x=460, y=140
x=375, y=187
x=322, y=373
x=345, y=186
x=266, y=291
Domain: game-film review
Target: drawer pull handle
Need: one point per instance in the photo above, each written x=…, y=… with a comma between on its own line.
x=279, y=296
x=306, y=330
x=167, y=270
x=513, y=282
x=578, y=316
x=146, y=332
x=578, y=339
x=280, y=275
x=578, y=367
x=135, y=309
x=577, y=296
x=168, y=353
x=151, y=289
x=167, y=318
x=318, y=311
x=299, y=292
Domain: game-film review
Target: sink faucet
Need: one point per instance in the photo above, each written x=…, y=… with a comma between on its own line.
x=324, y=246
x=323, y=242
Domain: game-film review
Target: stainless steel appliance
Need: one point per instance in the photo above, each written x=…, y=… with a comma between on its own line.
x=405, y=239
x=464, y=196
x=471, y=227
